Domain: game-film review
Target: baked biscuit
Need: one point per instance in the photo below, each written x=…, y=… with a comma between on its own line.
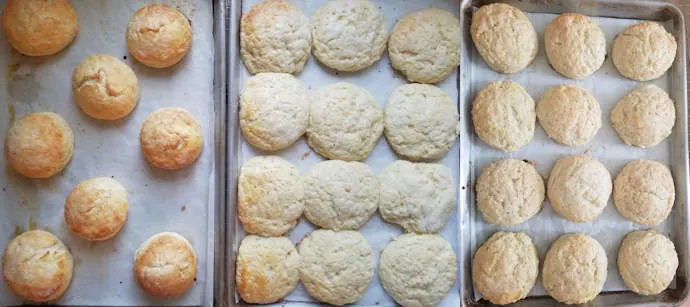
x=348, y=35
x=274, y=110
x=425, y=45
x=418, y=270
x=336, y=266
x=170, y=138
x=105, y=87
x=575, y=45
x=267, y=269
x=165, y=265
x=39, y=145
x=644, y=51
x=270, y=196
x=504, y=37
x=505, y=267
x=39, y=27
x=643, y=192
x=274, y=37
x=644, y=117
x=509, y=192
x=417, y=196
x=340, y=195
x=37, y=266
x=504, y=115
x=647, y=261
x=569, y=114
x=574, y=269
x=96, y=209
x=345, y=122
x=421, y=122
x=579, y=188
x=158, y=36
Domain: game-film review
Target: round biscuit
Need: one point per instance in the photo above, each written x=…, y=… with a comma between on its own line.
x=39, y=145
x=579, y=188
x=340, y=195
x=274, y=37
x=165, y=265
x=425, y=45
x=274, y=110
x=158, y=36
x=270, y=196
x=504, y=37
x=37, y=266
x=39, y=27
x=170, y=138
x=418, y=270
x=417, y=196
x=345, y=122
x=569, y=114
x=348, y=35
x=575, y=45
x=644, y=51
x=647, y=261
x=96, y=209
x=644, y=117
x=336, y=266
x=644, y=192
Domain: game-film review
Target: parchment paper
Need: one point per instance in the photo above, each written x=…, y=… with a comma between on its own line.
x=159, y=200
x=608, y=87
x=379, y=79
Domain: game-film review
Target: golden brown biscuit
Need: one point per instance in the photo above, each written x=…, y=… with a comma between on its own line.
x=170, y=138
x=105, y=87
x=165, y=265
x=96, y=209
x=158, y=36
x=39, y=145
x=37, y=266
x=39, y=27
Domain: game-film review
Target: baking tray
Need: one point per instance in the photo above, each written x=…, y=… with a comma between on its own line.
x=608, y=86
x=189, y=201
x=379, y=79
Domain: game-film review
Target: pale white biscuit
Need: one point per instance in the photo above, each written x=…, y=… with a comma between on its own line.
x=418, y=270
x=336, y=266
x=504, y=37
x=509, y=192
x=270, y=196
x=170, y=138
x=644, y=192
x=345, y=122
x=425, y=45
x=421, y=122
x=165, y=265
x=274, y=37
x=340, y=195
x=504, y=115
x=569, y=114
x=104, y=87
x=644, y=117
x=644, y=51
x=96, y=209
x=39, y=145
x=574, y=269
x=348, y=35
x=267, y=269
x=417, y=196
x=505, y=267
x=579, y=188
x=37, y=266
x=159, y=36
x=575, y=45
x=274, y=110
x=39, y=27
x=647, y=261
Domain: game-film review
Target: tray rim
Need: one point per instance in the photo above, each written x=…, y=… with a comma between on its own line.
x=650, y=10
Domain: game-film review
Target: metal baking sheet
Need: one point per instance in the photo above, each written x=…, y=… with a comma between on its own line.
x=608, y=87
x=183, y=201
x=379, y=79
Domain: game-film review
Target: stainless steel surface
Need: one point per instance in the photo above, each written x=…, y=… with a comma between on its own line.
x=644, y=10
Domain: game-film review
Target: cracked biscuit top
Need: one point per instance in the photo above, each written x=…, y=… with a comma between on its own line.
x=105, y=87
x=158, y=36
